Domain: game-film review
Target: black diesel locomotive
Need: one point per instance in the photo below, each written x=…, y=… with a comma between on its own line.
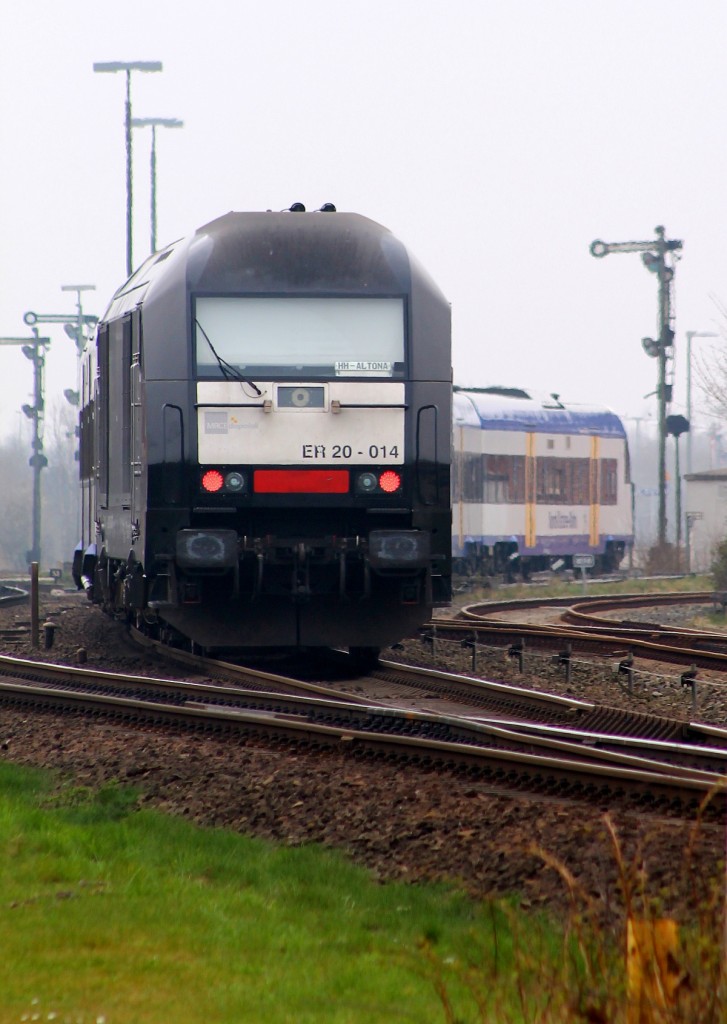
x=266, y=435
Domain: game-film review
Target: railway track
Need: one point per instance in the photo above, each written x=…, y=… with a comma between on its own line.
x=583, y=626
x=503, y=736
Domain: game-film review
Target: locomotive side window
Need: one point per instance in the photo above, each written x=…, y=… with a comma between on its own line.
x=102, y=422
x=290, y=337
x=118, y=444
x=126, y=407
x=86, y=441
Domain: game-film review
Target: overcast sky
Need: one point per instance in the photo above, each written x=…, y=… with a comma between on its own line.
x=496, y=138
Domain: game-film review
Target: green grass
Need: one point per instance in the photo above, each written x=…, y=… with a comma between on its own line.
x=115, y=914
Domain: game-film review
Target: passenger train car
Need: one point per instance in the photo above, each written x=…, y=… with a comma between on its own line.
x=536, y=481
x=266, y=438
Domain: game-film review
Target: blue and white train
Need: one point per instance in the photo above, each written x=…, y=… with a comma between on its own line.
x=536, y=481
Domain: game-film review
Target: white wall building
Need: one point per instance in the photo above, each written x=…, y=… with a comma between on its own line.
x=705, y=509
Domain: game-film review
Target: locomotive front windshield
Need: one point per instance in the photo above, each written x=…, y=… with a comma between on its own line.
x=295, y=337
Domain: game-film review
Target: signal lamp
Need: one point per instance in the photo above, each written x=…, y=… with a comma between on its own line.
x=366, y=483
x=234, y=481
x=212, y=481
x=389, y=481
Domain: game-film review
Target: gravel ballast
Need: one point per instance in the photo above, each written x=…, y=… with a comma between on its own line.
x=400, y=823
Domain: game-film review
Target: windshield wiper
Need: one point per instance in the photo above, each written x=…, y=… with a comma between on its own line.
x=229, y=372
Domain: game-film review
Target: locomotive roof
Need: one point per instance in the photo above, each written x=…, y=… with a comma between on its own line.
x=501, y=408
x=322, y=254
x=266, y=252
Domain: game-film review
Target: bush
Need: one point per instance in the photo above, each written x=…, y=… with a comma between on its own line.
x=663, y=558
x=718, y=567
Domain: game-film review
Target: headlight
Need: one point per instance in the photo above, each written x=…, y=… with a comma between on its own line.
x=234, y=482
x=206, y=549
x=366, y=483
x=398, y=549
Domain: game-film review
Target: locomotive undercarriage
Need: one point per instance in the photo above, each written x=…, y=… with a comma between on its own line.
x=287, y=592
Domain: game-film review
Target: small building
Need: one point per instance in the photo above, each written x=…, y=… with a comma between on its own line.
x=705, y=512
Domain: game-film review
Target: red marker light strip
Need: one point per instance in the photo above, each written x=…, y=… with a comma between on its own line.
x=301, y=481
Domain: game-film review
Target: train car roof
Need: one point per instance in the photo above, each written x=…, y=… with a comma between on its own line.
x=504, y=408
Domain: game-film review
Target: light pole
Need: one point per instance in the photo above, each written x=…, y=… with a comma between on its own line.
x=690, y=335
x=654, y=255
x=155, y=122
x=128, y=67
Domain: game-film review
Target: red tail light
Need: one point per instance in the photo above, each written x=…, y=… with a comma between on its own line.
x=389, y=481
x=212, y=481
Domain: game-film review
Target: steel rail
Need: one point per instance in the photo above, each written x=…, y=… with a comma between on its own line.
x=195, y=694
x=653, y=775
x=608, y=633
x=558, y=755
x=610, y=600
x=483, y=691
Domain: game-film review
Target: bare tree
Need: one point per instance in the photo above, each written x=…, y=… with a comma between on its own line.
x=710, y=367
x=17, y=493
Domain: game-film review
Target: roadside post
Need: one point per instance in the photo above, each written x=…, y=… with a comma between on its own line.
x=584, y=562
x=34, y=605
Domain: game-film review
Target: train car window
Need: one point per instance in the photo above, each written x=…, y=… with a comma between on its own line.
x=497, y=479
x=579, y=490
x=516, y=494
x=294, y=337
x=563, y=481
x=609, y=481
x=490, y=479
x=472, y=477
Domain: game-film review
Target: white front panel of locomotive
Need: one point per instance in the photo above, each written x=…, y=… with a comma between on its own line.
x=234, y=428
